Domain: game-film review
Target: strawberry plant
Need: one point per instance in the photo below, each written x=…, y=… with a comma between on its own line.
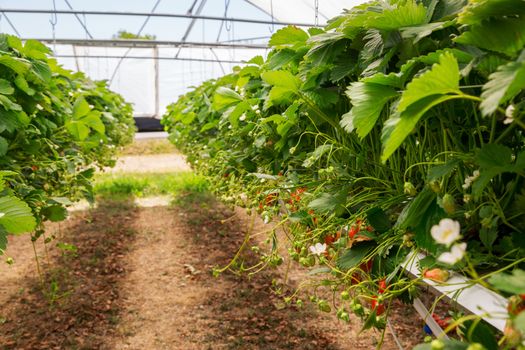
x=56, y=128
x=402, y=122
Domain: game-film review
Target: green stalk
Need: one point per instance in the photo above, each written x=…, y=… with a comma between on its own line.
x=493, y=129
x=319, y=112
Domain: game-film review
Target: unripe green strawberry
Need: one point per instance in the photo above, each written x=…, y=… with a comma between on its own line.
x=448, y=204
x=413, y=291
x=435, y=186
x=437, y=345
x=324, y=306
x=303, y=261
x=409, y=189
x=343, y=315
x=357, y=308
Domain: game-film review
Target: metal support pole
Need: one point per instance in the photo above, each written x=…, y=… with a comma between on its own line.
x=10, y=23
x=169, y=15
x=170, y=58
x=190, y=26
x=79, y=20
x=144, y=43
x=157, y=81
x=427, y=317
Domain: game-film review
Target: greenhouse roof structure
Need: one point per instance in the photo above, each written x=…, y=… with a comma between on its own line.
x=191, y=40
x=304, y=10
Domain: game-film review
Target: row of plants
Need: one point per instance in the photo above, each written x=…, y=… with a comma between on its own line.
x=56, y=128
x=398, y=126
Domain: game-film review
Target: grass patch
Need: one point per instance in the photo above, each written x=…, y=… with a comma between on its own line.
x=116, y=186
x=148, y=147
x=191, y=198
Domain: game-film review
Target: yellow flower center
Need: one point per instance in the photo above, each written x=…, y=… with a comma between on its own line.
x=447, y=233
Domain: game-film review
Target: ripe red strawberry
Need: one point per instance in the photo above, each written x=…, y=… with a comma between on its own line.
x=375, y=305
x=442, y=322
x=515, y=305
x=353, y=231
x=271, y=199
x=367, y=266
x=329, y=240
x=296, y=195
x=382, y=286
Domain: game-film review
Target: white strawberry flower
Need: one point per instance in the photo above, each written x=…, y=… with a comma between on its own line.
x=470, y=179
x=318, y=248
x=446, y=232
x=2, y=214
x=457, y=252
x=509, y=114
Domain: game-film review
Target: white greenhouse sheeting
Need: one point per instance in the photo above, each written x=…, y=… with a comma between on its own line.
x=303, y=11
x=135, y=78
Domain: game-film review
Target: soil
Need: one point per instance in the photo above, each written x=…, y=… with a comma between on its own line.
x=149, y=143
x=140, y=278
x=153, y=163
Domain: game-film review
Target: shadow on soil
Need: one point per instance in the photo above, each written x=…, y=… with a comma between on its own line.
x=77, y=306
x=246, y=314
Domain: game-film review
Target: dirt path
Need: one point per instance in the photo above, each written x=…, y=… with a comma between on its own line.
x=173, y=302
x=78, y=304
x=154, y=163
x=140, y=278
